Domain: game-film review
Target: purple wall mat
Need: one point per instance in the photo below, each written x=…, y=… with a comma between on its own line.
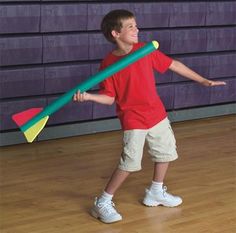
x=59, y=0
x=71, y=112
x=21, y=82
x=188, y=41
x=187, y=14
x=20, y=50
x=5, y=1
x=224, y=94
x=166, y=93
x=222, y=65
x=97, y=11
x=19, y=19
x=69, y=17
x=190, y=95
x=151, y=15
x=221, y=39
x=99, y=47
x=199, y=64
x=162, y=36
x=60, y=79
x=62, y=48
x=94, y=70
x=163, y=78
x=39, y=33
x=221, y=13
x=8, y=108
x=103, y=111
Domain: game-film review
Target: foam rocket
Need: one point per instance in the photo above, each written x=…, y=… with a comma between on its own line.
x=32, y=121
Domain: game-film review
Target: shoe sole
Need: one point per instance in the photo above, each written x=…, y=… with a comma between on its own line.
x=95, y=215
x=154, y=203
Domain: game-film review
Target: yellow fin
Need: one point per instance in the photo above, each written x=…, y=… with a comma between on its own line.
x=155, y=44
x=34, y=130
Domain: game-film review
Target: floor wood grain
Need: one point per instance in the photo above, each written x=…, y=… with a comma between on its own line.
x=49, y=187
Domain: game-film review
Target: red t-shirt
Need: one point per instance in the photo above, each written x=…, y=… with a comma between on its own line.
x=138, y=105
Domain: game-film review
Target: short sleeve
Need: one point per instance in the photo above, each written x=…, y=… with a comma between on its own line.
x=106, y=87
x=161, y=62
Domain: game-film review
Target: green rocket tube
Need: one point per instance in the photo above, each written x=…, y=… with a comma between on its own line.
x=92, y=81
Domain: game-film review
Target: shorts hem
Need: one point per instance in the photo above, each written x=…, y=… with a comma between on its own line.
x=164, y=159
x=130, y=169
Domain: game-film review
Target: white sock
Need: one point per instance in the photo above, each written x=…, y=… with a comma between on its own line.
x=156, y=186
x=105, y=197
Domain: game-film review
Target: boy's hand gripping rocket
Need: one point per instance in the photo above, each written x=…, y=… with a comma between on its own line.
x=33, y=120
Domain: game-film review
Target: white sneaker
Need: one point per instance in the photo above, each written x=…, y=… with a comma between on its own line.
x=105, y=212
x=161, y=198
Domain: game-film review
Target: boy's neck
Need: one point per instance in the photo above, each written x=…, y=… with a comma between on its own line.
x=122, y=50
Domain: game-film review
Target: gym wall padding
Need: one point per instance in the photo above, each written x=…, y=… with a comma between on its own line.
x=48, y=47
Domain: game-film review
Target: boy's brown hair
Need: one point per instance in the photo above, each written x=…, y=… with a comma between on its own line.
x=112, y=21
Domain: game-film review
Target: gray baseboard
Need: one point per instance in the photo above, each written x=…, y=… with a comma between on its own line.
x=203, y=112
x=69, y=130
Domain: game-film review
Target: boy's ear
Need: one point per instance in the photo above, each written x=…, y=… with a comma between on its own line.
x=115, y=34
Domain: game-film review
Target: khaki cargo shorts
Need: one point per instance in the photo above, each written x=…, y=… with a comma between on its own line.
x=161, y=142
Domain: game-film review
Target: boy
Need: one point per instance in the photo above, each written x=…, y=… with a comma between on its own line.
x=141, y=113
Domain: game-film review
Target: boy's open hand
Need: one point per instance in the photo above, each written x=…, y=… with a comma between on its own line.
x=210, y=83
x=81, y=97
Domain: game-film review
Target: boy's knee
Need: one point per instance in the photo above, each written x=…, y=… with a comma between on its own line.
x=130, y=163
x=129, y=168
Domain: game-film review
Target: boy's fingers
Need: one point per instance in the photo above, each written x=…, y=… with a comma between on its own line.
x=217, y=83
x=80, y=97
x=223, y=83
x=76, y=96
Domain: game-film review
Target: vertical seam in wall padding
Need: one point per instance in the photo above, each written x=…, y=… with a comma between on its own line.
x=208, y=65
x=88, y=55
x=42, y=46
x=205, y=24
x=88, y=36
x=40, y=29
x=87, y=18
x=206, y=7
x=40, y=22
x=169, y=15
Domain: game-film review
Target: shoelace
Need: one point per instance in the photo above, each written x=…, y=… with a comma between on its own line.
x=106, y=207
x=165, y=191
x=165, y=194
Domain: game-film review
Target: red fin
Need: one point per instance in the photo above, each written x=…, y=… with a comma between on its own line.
x=22, y=117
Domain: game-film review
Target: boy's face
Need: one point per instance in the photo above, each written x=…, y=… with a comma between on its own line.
x=128, y=33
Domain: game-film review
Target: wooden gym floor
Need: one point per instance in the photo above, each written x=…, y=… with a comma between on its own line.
x=49, y=187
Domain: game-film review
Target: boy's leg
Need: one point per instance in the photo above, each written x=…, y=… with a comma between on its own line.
x=130, y=161
x=159, y=172
x=104, y=207
x=162, y=148
x=116, y=180
x=157, y=194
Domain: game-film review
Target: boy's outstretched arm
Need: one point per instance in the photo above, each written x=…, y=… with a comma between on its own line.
x=183, y=70
x=98, y=98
